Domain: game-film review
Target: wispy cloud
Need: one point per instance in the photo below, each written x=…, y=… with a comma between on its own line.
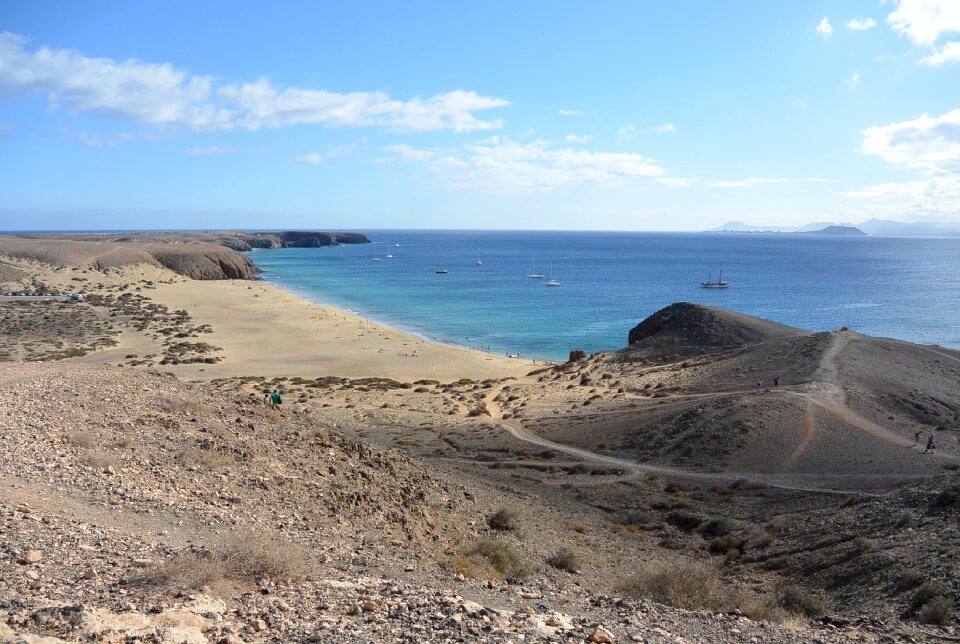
x=212, y=150
x=825, y=29
x=751, y=182
x=631, y=131
x=159, y=95
x=577, y=138
x=500, y=164
x=854, y=81
x=799, y=104
x=311, y=159
x=861, y=24
x=663, y=128
x=571, y=112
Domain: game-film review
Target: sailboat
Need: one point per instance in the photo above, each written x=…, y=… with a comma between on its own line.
x=479, y=259
x=718, y=284
x=441, y=270
x=552, y=281
x=533, y=274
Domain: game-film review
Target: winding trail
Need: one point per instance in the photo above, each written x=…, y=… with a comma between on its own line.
x=827, y=395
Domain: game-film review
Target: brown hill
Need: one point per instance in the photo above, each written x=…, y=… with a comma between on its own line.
x=685, y=328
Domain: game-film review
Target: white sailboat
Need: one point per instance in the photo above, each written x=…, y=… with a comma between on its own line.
x=552, y=281
x=533, y=274
x=718, y=284
x=479, y=259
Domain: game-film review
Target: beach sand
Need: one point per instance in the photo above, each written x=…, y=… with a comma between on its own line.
x=266, y=331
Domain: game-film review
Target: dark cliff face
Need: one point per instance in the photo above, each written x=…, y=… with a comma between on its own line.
x=290, y=239
x=204, y=262
x=293, y=239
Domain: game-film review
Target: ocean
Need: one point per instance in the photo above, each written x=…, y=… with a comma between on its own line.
x=893, y=287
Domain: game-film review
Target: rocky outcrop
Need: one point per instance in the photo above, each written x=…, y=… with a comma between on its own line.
x=204, y=261
x=289, y=239
x=685, y=328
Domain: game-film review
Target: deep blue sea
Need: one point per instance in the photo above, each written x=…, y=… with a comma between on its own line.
x=893, y=287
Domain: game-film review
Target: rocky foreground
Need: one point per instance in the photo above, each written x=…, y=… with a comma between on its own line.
x=136, y=507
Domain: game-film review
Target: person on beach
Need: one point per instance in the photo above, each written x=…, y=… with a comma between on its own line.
x=276, y=399
x=931, y=446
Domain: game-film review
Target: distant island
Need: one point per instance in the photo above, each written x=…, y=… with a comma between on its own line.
x=834, y=230
x=873, y=227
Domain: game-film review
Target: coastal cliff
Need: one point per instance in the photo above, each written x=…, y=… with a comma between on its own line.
x=289, y=239
x=199, y=256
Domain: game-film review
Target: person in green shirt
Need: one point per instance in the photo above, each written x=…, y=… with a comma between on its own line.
x=276, y=399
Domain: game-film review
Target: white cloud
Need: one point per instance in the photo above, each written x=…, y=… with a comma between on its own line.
x=162, y=96
x=571, y=112
x=861, y=24
x=311, y=159
x=500, y=164
x=925, y=143
x=750, y=182
x=949, y=53
x=800, y=104
x=854, y=82
x=929, y=145
x=631, y=131
x=825, y=29
x=575, y=138
x=923, y=21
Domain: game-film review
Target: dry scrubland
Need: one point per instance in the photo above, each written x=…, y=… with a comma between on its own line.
x=655, y=494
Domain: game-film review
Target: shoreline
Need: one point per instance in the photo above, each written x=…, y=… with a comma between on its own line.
x=406, y=330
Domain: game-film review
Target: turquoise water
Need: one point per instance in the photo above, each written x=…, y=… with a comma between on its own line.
x=902, y=288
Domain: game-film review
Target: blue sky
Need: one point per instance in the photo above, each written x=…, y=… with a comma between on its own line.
x=556, y=115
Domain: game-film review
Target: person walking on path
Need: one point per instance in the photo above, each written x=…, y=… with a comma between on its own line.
x=276, y=399
x=776, y=382
x=931, y=446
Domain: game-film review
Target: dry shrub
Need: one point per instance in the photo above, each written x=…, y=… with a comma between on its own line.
x=939, y=610
x=253, y=557
x=185, y=571
x=208, y=458
x=691, y=585
x=180, y=406
x=80, y=439
x=237, y=557
x=100, y=459
x=565, y=560
x=478, y=559
x=696, y=585
x=505, y=519
x=799, y=601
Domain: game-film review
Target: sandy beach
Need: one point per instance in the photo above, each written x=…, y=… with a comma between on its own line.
x=263, y=330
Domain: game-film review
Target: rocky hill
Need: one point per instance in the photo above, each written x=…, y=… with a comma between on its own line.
x=685, y=328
